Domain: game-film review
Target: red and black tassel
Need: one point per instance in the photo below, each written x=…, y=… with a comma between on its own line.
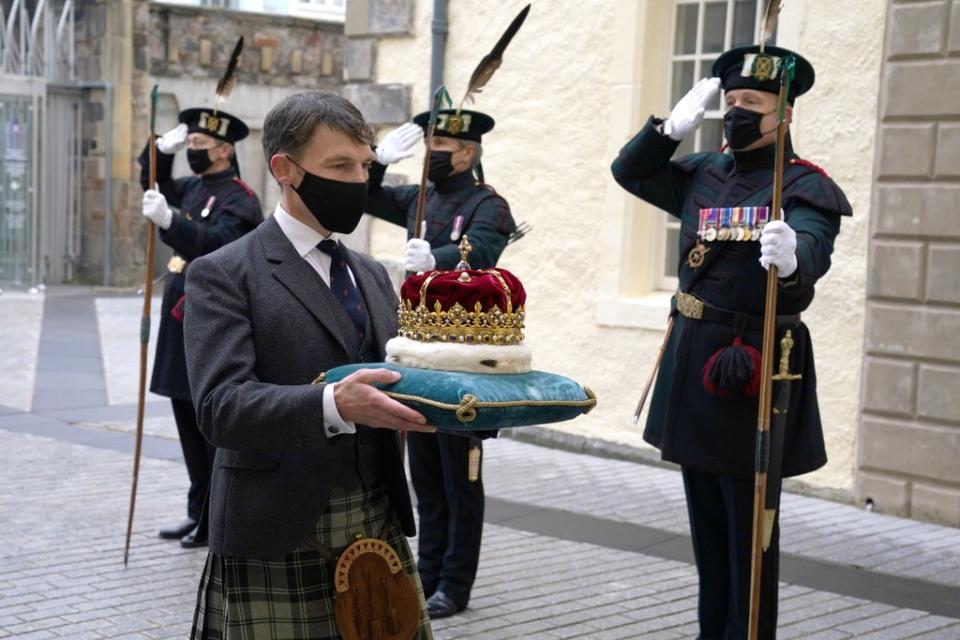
x=733, y=370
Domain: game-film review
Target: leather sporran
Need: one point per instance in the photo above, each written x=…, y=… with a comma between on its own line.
x=374, y=599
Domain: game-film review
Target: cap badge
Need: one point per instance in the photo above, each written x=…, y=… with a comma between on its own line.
x=215, y=124
x=455, y=124
x=760, y=66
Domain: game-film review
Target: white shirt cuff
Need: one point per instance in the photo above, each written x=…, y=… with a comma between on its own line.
x=333, y=424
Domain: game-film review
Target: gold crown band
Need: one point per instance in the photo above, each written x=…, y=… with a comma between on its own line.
x=459, y=325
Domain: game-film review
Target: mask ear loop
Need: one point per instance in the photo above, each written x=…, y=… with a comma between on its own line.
x=297, y=165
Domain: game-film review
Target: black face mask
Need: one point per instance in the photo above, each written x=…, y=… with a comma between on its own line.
x=741, y=127
x=441, y=165
x=337, y=206
x=199, y=160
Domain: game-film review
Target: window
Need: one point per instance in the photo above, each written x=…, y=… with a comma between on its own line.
x=702, y=30
x=328, y=10
x=323, y=9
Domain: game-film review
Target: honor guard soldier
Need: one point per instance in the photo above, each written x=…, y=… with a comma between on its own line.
x=703, y=412
x=214, y=208
x=449, y=488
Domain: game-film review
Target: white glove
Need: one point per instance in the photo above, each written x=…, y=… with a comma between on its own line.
x=399, y=143
x=173, y=140
x=688, y=113
x=418, y=256
x=778, y=247
x=155, y=209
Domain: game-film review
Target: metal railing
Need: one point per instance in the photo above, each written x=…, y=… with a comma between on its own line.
x=38, y=41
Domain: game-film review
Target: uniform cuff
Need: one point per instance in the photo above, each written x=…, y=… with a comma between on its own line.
x=333, y=424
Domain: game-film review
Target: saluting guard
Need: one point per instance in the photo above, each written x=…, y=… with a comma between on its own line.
x=214, y=207
x=449, y=489
x=704, y=407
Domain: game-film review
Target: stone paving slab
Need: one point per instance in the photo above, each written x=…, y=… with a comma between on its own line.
x=653, y=496
x=20, y=319
x=66, y=578
x=118, y=319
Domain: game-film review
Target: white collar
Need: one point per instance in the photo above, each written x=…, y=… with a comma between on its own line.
x=303, y=238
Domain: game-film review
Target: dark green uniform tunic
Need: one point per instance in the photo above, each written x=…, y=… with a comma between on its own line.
x=485, y=216
x=235, y=211
x=689, y=425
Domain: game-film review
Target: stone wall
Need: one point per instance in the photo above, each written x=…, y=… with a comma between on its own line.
x=576, y=83
x=909, y=444
x=189, y=49
x=111, y=37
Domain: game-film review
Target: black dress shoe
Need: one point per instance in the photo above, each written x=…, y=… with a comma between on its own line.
x=177, y=531
x=440, y=605
x=194, y=539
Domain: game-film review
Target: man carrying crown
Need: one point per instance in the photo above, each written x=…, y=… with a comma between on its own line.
x=449, y=498
x=214, y=208
x=703, y=412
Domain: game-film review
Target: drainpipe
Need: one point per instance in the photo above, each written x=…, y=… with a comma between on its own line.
x=439, y=47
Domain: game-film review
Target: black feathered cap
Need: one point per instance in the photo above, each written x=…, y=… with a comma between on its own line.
x=219, y=124
x=747, y=68
x=467, y=125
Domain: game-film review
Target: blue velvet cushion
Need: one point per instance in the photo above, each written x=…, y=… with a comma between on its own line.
x=480, y=401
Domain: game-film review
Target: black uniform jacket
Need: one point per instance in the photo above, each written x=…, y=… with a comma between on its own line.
x=261, y=325
x=689, y=425
x=485, y=216
x=235, y=211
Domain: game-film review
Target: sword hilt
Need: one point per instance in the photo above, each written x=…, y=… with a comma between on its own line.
x=786, y=346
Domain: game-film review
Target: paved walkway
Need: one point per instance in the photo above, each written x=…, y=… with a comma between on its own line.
x=576, y=546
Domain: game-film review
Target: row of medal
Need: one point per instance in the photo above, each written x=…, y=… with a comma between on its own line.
x=740, y=224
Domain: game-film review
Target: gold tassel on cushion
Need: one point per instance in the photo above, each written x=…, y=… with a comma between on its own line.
x=473, y=461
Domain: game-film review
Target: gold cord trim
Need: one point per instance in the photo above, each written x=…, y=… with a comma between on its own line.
x=467, y=408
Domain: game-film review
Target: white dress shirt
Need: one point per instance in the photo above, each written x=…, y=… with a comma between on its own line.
x=305, y=240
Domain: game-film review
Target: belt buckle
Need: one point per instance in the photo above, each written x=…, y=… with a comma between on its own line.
x=689, y=306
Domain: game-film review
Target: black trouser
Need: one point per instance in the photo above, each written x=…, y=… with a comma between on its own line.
x=451, y=513
x=197, y=454
x=721, y=524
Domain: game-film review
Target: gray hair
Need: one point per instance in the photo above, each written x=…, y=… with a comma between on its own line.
x=477, y=151
x=289, y=126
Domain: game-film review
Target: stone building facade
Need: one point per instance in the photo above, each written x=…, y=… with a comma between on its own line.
x=132, y=45
x=111, y=38
x=909, y=438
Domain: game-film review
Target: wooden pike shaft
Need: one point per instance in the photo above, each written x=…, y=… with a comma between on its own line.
x=144, y=341
x=653, y=374
x=422, y=195
x=766, y=380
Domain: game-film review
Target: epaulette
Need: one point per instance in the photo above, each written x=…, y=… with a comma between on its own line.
x=690, y=163
x=818, y=189
x=807, y=163
x=245, y=187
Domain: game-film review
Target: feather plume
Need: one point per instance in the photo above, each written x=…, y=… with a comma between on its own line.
x=491, y=62
x=229, y=78
x=769, y=24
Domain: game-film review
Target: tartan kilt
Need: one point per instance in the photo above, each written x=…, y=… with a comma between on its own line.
x=293, y=598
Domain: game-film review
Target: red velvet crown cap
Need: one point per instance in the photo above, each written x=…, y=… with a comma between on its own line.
x=449, y=288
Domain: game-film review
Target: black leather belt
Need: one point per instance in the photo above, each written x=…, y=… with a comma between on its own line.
x=693, y=308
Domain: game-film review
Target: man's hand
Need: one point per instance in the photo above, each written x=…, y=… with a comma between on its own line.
x=778, y=247
x=155, y=209
x=173, y=140
x=399, y=143
x=419, y=256
x=361, y=403
x=688, y=113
